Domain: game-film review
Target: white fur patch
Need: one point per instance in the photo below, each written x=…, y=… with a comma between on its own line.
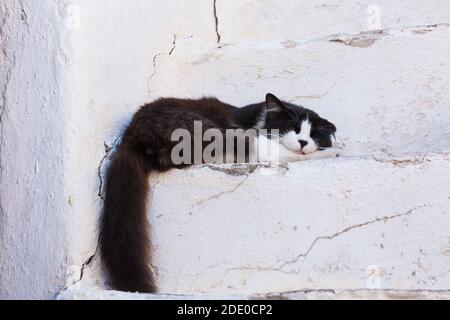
x=305, y=130
x=271, y=151
x=291, y=140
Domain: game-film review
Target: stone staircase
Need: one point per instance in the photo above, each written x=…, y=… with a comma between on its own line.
x=346, y=224
x=372, y=224
x=95, y=294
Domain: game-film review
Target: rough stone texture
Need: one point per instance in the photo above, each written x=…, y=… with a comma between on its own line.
x=95, y=294
x=33, y=226
x=117, y=47
x=387, y=91
x=73, y=72
x=286, y=19
x=349, y=223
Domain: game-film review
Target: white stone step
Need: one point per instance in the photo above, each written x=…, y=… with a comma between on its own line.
x=95, y=294
x=346, y=223
x=255, y=21
x=376, y=218
x=382, y=95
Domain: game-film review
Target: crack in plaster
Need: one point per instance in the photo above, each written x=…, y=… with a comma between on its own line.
x=242, y=169
x=87, y=263
x=361, y=40
x=284, y=295
x=428, y=28
x=329, y=6
x=414, y=159
x=84, y=265
x=317, y=96
x=174, y=44
x=218, y=195
x=313, y=244
x=346, y=230
x=363, y=293
x=366, y=39
x=216, y=20
x=156, y=56
x=235, y=170
x=404, y=162
x=108, y=150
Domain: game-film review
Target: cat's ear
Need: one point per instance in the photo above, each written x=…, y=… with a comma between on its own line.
x=324, y=123
x=273, y=103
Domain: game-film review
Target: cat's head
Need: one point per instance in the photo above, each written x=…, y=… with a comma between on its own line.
x=301, y=130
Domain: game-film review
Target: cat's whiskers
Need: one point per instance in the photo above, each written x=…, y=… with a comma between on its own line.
x=273, y=135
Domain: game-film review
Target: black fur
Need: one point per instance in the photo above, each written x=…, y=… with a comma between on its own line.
x=146, y=145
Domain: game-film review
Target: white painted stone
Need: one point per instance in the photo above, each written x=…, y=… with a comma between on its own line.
x=73, y=72
x=346, y=223
x=33, y=116
x=388, y=96
x=256, y=20
x=116, y=47
x=95, y=294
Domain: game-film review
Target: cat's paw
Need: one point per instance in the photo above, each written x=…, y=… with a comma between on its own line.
x=328, y=153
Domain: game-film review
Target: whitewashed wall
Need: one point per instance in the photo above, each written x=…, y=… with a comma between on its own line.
x=74, y=72
x=34, y=101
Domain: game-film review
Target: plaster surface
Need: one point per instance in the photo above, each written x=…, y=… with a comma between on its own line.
x=386, y=91
x=95, y=294
x=33, y=114
x=269, y=20
x=73, y=72
x=346, y=223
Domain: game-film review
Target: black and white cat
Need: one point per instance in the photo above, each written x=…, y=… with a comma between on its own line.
x=147, y=145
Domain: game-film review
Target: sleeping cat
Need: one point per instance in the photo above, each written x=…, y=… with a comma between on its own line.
x=147, y=145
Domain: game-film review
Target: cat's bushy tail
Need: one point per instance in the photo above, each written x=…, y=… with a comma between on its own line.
x=125, y=246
